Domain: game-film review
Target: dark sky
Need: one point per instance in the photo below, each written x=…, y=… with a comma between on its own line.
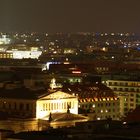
x=70, y=15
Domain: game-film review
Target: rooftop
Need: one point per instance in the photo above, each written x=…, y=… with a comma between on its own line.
x=97, y=90
x=20, y=93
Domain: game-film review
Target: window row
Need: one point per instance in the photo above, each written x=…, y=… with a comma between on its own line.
x=16, y=106
x=126, y=89
x=57, y=106
x=99, y=105
x=124, y=84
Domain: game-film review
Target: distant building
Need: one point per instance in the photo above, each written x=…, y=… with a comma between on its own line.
x=6, y=55
x=22, y=51
x=128, y=92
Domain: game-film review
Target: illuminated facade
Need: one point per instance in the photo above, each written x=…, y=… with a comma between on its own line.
x=17, y=54
x=56, y=102
x=101, y=108
x=5, y=40
x=96, y=100
x=6, y=55
x=27, y=105
x=128, y=92
x=22, y=51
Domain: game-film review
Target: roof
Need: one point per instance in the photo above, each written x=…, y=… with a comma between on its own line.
x=89, y=91
x=56, y=95
x=56, y=117
x=20, y=93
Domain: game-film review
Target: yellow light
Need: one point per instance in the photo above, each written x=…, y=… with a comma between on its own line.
x=76, y=72
x=65, y=63
x=96, y=99
x=111, y=99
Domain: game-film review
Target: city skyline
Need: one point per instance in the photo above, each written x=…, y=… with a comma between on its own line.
x=70, y=16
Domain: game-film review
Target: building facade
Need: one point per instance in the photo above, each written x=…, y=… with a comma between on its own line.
x=96, y=100
x=20, y=105
x=56, y=102
x=101, y=108
x=128, y=92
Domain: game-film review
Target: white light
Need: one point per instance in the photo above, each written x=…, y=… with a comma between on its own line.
x=25, y=40
x=98, y=118
x=37, y=40
x=25, y=54
x=124, y=122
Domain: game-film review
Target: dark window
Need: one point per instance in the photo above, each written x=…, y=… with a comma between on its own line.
x=110, y=83
x=121, y=84
x=4, y=104
x=15, y=106
x=120, y=89
x=21, y=106
x=115, y=83
x=126, y=89
x=126, y=84
x=125, y=109
x=132, y=89
x=126, y=104
x=27, y=107
x=9, y=106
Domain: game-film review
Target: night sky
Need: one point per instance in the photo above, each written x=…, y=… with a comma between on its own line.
x=70, y=15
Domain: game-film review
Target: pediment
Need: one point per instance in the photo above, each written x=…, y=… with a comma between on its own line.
x=58, y=95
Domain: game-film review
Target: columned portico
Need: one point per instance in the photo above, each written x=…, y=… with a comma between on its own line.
x=56, y=102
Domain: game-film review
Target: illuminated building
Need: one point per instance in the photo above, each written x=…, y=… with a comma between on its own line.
x=22, y=51
x=69, y=50
x=4, y=40
x=25, y=54
x=6, y=55
x=96, y=100
x=22, y=103
x=56, y=102
x=101, y=108
x=128, y=92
